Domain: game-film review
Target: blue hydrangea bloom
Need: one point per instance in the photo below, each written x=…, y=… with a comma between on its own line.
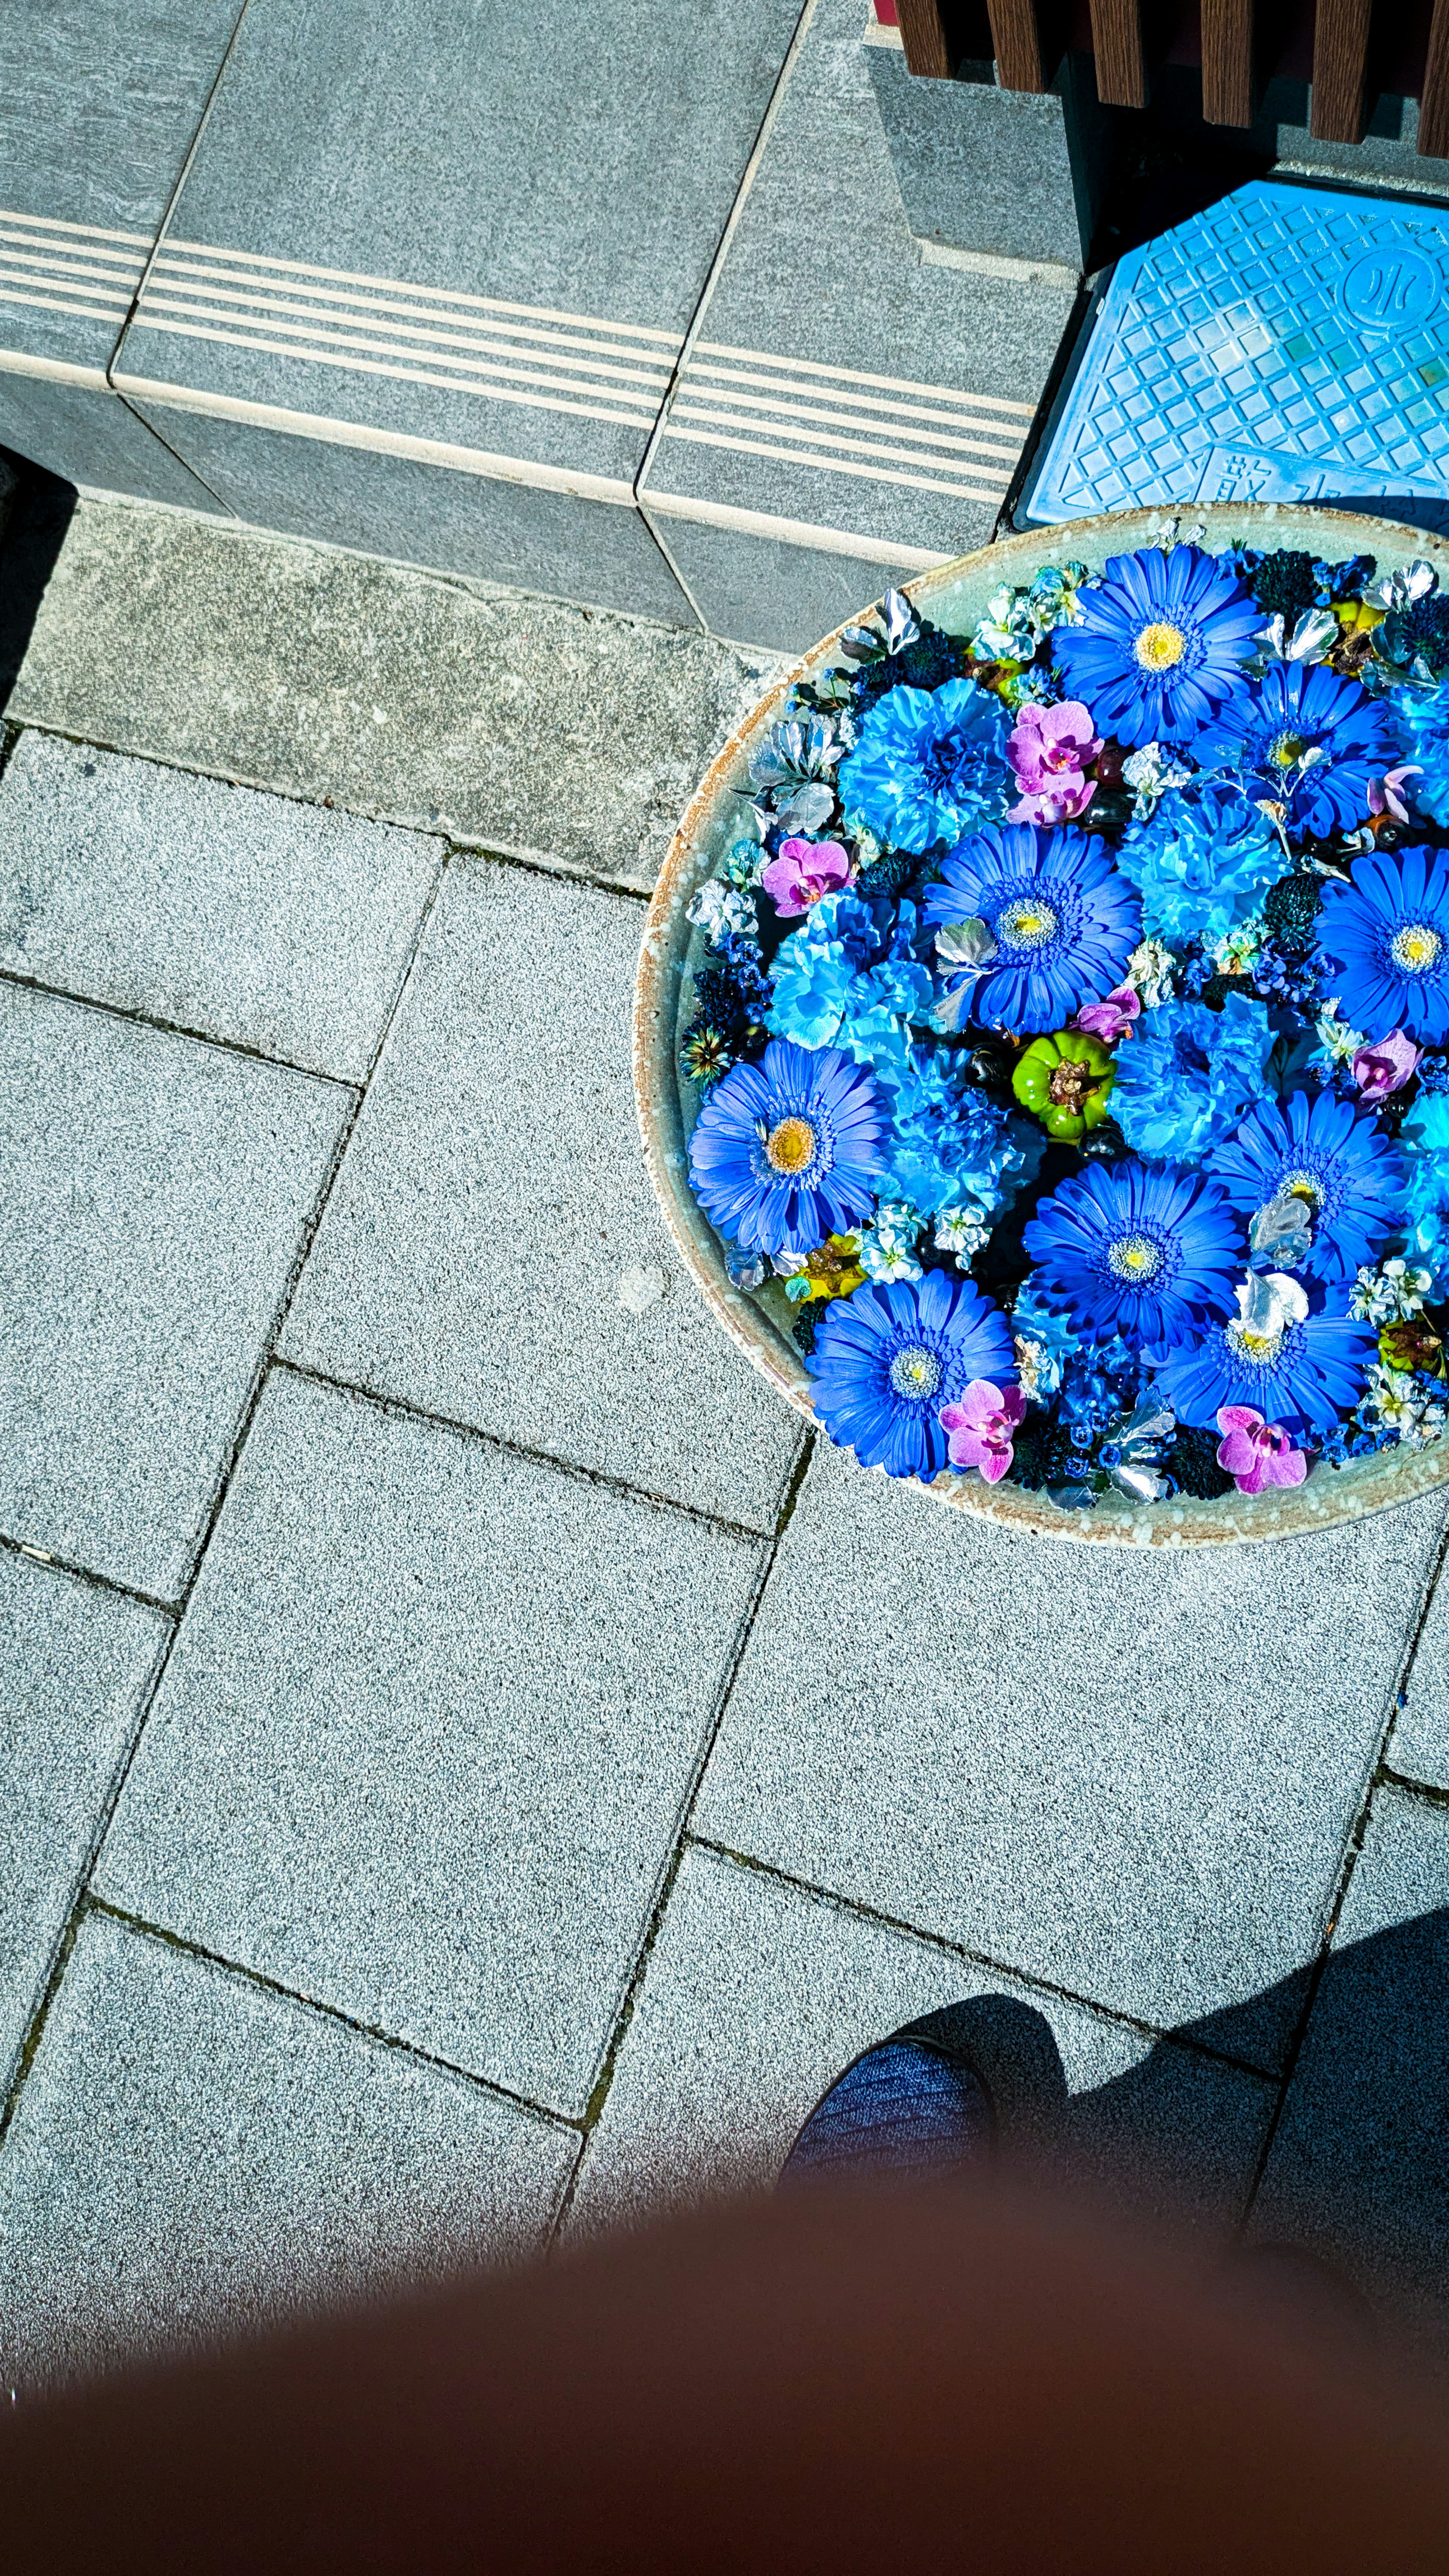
x=1160, y=643
x=930, y=764
x=1308, y=1375
x=1332, y=1156
x=788, y=1150
x=1422, y=717
x=1262, y=735
x=1133, y=1251
x=945, y=1142
x=1187, y=1075
x=1202, y=861
x=886, y=1360
x=1386, y=935
x=832, y=985
x=1064, y=921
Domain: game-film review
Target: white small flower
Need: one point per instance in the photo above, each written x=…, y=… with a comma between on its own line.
x=888, y=1247
x=1391, y=1294
x=1149, y=972
x=1239, y=946
x=963, y=1229
x=1337, y=1041
x=1151, y=775
x=718, y=909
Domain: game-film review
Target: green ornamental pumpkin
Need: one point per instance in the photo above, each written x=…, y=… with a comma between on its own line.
x=1065, y=1081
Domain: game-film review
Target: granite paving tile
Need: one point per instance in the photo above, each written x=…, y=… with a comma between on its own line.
x=561, y=733
x=757, y=1994
x=250, y=918
x=194, y=2155
x=75, y=1666
x=424, y=1740
x=154, y=1193
x=1419, y=1744
x=1132, y=1776
x=1357, y=2171
x=494, y=1202
x=837, y=378
x=344, y=148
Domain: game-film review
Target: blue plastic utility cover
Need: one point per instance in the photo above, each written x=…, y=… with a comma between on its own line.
x=1291, y=344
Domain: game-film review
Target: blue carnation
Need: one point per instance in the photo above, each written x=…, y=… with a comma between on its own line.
x=787, y=1151
x=1134, y=1251
x=887, y=1358
x=946, y=1143
x=1187, y=1075
x=1264, y=735
x=1425, y=1137
x=1063, y=920
x=1422, y=716
x=1386, y=934
x=1336, y=1159
x=1303, y=1375
x=929, y=765
x=1159, y=643
x=1201, y=861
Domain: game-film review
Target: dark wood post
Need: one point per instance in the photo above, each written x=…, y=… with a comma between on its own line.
x=1340, y=58
x=1227, y=62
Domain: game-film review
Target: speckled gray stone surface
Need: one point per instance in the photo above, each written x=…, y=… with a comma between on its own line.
x=423, y=1743
x=563, y=733
x=75, y=1664
x=758, y=1994
x=1132, y=1776
x=153, y=1197
x=245, y=917
x=494, y=1199
x=193, y=2154
x=1358, y=2170
x=1419, y=1744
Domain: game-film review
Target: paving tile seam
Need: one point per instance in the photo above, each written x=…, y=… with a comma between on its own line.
x=695, y=324
x=111, y=1583
x=1029, y=1979
x=1427, y=1790
x=137, y=1018
x=401, y=1406
x=441, y=827
x=669, y=1872
x=1378, y=1769
x=243, y=1974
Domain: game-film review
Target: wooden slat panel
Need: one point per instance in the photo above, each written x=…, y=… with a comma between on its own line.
x=1016, y=43
x=923, y=34
x=1340, y=54
x=1117, y=44
x=1227, y=62
x=1434, y=105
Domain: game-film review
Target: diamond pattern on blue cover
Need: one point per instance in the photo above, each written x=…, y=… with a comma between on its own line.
x=1290, y=344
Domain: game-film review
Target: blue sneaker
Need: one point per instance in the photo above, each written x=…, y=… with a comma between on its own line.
x=912, y=2106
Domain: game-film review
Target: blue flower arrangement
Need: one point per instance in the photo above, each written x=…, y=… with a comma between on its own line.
x=1067, y=1047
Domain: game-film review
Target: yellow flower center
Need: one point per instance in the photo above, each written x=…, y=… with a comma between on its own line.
x=1417, y=948
x=1302, y=1185
x=1160, y=647
x=1134, y=1256
x=1026, y=924
x=1287, y=750
x=915, y=1372
x=790, y=1147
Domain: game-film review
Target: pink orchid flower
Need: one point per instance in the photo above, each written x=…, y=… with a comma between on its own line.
x=1383, y=793
x=1049, y=749
x=1384, y=1066
x=981, y=1426
x=803, y=872
x=1111, y=1018
x=1256, y=1453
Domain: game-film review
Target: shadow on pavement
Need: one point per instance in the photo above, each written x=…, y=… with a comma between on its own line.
x=35, y=512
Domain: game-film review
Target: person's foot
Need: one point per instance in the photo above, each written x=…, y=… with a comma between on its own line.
x=911, y=2106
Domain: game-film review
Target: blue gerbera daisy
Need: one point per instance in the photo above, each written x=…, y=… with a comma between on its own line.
x=1063, y=920
x=1337, y=1161
x=1307, y=739
x=1159, y=642
x=1187, y=1075
x=886, y=1359
x=1298, y=1369
x=930, y=764
x=786, y=1151
x=1387, y=934
x=1136, y=1252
